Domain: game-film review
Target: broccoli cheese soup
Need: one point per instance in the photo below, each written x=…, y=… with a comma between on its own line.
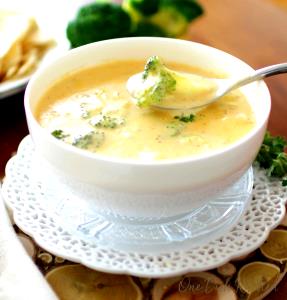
x=92, y=110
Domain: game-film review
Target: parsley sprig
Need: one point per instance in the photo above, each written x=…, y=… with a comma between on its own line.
x=59, y=134
x=272, y=156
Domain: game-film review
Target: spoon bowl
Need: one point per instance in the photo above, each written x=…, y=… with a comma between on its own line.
x=218, y=88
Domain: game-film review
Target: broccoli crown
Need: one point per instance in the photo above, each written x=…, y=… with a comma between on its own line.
x=98, y=21
x=174, y=16
x=144, y=7
x=190, y=9
x=160, y=82
x=152, y=67
x=147, y=29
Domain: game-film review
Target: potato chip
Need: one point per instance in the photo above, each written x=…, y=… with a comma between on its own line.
x=13, y=28
x=22, y=45
x=12, y=59
x=38, y=40
x=11, y=72
x=31, y=60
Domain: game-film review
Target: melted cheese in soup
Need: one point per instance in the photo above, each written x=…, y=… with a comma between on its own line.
x=92, y=110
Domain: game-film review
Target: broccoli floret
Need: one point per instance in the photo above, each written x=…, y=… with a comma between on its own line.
x=95, y=138
x=171, y=16
x=174, y=16
x=190, y=9
x=142, y=7
x=158, y=82
x=147, y=29
x=185, y=118
x=103, y=121
x=98, y=21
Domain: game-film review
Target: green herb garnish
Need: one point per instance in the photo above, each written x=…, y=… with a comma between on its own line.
x=185, y=118
x=272, y=157
x=59, y=134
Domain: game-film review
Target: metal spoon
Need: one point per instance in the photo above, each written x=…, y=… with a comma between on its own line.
x=224, y=86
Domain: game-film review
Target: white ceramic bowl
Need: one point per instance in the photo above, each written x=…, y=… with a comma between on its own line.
x=201, y=175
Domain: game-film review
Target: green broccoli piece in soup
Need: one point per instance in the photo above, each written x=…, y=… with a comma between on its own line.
x=185, y=118
x=93, y=138
x=175, y=128
x=158, y=81
x=171, y=16
x=98, y=21
x=103, y=121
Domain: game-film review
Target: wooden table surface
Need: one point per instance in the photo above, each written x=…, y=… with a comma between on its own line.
x=253, y=30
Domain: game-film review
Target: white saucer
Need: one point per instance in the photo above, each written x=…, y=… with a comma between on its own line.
x=200, y=240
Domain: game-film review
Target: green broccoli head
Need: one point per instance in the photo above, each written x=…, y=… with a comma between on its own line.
x=174, y=16
x=158, y=82
x=98, y=21
x=153, y=67
x=190, y=9
x=142, y=7
x=147, y=29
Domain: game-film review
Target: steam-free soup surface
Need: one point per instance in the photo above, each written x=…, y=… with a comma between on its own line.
x=92, y=110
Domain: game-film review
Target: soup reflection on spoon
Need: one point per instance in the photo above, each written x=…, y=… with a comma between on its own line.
x=162, y=88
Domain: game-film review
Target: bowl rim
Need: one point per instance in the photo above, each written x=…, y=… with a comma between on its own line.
x=135, y=162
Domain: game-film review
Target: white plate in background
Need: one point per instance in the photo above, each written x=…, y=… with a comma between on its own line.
x=52, y=17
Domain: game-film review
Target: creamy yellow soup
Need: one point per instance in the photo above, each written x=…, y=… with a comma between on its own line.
x=92, y=110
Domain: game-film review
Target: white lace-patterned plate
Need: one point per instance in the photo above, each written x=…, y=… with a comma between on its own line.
x=265, y=211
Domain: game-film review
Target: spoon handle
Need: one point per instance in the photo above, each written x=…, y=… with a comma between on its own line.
x=260, y=74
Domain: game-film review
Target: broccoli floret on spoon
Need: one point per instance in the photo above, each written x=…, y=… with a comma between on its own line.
x=158, y=85
x=158, y=82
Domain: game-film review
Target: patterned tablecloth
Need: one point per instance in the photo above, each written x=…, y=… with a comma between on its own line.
x=197, y=284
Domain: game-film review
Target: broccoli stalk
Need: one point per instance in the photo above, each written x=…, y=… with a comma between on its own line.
x=159, y=83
